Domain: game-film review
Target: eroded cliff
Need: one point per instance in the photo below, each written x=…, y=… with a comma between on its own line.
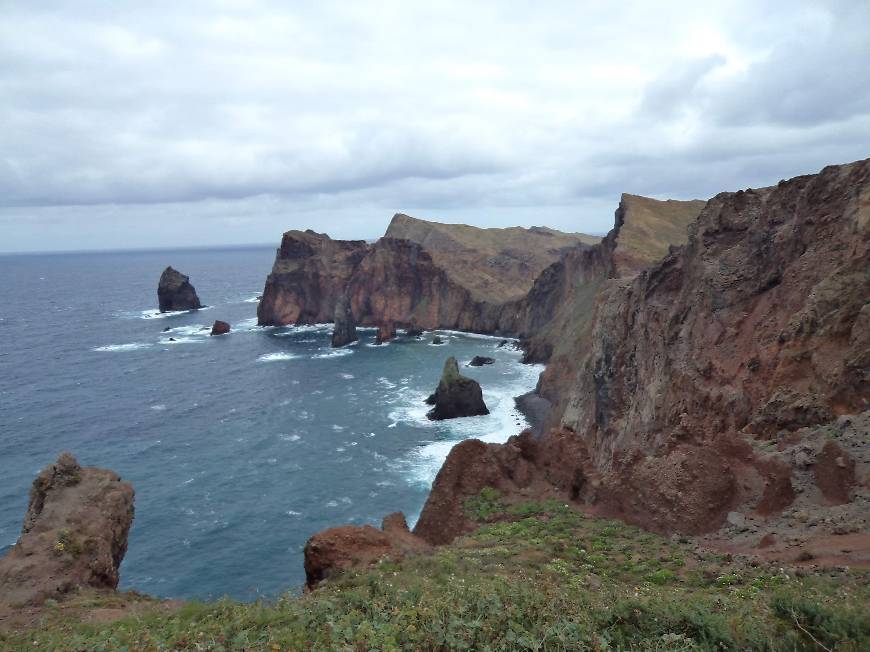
x=695, y=375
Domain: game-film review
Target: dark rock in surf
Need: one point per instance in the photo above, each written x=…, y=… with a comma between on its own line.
x=386, y=332
x=174, y=292
x=480, y=360
x=437, y=341
x=344, y=328
x=456, y=396
x=220, y=328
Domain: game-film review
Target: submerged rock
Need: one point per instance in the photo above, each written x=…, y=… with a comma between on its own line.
x=220, y=328
x=74, y=534
x=174, y=292
x=456, y=396
x=480, y=360
x=437, y=340
x=344, y=329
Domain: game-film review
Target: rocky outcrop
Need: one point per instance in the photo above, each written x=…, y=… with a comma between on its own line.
x=174, y=292
x=344, y=328
x=74, y=534
x=480, y=361
x=386, y=332
x=523, y=468
x=220, y=328
x=352, y=546
x=456, y=395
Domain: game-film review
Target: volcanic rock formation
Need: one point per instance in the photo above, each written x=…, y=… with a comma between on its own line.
x=456, y=395
x=755, y=328
x=74, y=534
x=220, y=328
x=174, y=292
x=352, y=546
x=386, y=332
x=344, y=329
x=420, y=274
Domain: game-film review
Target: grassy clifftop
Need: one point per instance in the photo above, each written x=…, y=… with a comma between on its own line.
x=495, y=265
x=535, y=576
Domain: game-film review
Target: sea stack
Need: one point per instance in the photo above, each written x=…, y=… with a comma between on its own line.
x=386, y=332
x=174, y=292
x=344, y=328
x=456, y=396
x=74, y=534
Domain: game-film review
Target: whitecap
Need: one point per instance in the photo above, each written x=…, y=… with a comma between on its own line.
x=182, y=340
x=290, y=437
x=291, y=512
x=334, y=353
x=154, y=313
x=278, y=356
x=332, y=503
x=337, y=427
x=190, y=329
x=132, y=346
x=159, y=407
x=347, y=376
x=253, y=299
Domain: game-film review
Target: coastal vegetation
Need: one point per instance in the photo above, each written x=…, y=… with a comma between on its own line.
x=534, y=576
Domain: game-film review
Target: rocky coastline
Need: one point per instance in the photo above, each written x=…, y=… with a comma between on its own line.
x=710, y=384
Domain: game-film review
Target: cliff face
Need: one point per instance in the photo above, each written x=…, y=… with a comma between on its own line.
x=757, y=326
x=421, y=273
x=310, y=273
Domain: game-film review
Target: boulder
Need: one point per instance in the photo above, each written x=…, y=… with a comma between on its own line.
x=220, y=328
x=437, y=340
x=480, y=360
x=344, y=328
x=74, y=534
x=386, y=332
x=174, y=292
x=456, y=395
x=413, y=331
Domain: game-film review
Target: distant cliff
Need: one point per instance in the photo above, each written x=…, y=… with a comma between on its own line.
x=420, y=273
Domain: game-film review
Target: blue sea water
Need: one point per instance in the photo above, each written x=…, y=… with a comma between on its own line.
x=239, y=447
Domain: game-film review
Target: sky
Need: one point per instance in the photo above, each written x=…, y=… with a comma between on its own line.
x=174, y=124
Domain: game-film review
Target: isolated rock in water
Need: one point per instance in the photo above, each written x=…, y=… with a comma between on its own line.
x=386, y=332
x=480, y=360
x=344, y=328
x=352, y=546
x=174, y=292
x=74, y=534
x=220, y=328
x=413, y=331
x=437, y=340
x=457, y=396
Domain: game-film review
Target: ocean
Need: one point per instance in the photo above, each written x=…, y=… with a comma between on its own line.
x=239, y=447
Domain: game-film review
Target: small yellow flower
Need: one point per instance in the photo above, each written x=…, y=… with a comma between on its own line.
x=59, y=546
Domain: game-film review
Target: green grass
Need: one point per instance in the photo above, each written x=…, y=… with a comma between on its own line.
x=544, y=578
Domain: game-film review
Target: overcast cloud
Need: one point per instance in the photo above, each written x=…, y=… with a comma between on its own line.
x=134, y=124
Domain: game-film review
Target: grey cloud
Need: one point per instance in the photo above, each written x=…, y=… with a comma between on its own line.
x=270, y=115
